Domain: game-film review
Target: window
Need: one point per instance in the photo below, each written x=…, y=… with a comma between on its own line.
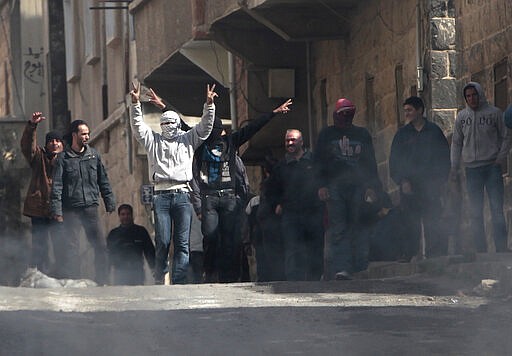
x=70, y=36
x=113, y=27
x=91, y=32
x=501, y=84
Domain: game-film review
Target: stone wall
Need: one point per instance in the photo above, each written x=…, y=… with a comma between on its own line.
x=369, y=64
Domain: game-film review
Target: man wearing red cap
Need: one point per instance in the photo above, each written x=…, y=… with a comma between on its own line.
x=37, y=207
x=349, y=181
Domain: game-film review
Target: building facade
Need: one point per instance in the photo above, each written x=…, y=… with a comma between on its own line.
x=260, y=52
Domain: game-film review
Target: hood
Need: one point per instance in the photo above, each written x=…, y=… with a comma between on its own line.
x=482, y=100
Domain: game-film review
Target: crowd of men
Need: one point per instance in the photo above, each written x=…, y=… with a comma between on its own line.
x=318, y=215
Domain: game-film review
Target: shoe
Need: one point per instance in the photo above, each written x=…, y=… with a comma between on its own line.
x=343, y=276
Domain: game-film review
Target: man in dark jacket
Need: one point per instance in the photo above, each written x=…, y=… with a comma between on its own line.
x=294, y=190
x=419, y=164
x=37, y=201
x=78, y=180
x=215, y=172
x=347, y=175
x=128, y=245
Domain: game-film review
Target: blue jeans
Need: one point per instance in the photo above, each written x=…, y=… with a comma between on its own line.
x=173, y=213
x=303, y=245
x=490, y=178
x=346, y=239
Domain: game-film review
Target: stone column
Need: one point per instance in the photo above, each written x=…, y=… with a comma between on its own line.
x=443, y=59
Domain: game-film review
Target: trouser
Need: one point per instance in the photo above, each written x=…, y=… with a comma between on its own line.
x=303, y=245
x=346, y=240
x=270, y=259
x=490, y=178
x=418, y=209
x=68, y=247
x=173, y=213
x=221, y=245
x=43, y=230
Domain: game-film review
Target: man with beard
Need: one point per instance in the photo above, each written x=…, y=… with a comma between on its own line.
x=294, y=191
x=37, y=207
x=347, y=175
x=78, y=181
x=128, y=245
x=215, y=170
x=170, y=155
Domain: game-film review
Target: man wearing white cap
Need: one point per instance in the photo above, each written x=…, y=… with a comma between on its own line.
x=170, y=156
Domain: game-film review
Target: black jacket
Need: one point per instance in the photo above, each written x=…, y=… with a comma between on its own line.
x=293, y=185
x=127, y=245
x=78, y=181
x=346, y=156
x=230, y=144
x=421, y=157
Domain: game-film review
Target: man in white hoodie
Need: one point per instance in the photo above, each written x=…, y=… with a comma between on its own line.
x=170, y=156
x=481, y=141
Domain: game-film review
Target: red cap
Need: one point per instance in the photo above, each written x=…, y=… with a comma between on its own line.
x=344, y=104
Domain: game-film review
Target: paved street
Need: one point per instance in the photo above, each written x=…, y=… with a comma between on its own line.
x=403, y=316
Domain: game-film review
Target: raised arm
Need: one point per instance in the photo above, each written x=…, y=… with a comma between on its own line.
x=141, y=131
x=245, y=133
x=28, y=139
x=202, y=130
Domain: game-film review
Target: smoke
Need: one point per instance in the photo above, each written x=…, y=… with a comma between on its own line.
x=14, y=255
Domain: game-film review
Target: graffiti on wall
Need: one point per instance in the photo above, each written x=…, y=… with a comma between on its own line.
x=33, y=66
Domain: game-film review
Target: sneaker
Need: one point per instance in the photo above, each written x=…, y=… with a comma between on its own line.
x=343, y=276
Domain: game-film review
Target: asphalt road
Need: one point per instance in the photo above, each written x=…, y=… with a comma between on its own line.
x=374, y=317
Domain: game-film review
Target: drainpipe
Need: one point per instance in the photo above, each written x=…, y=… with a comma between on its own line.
x=232, y=91
x=419, y=59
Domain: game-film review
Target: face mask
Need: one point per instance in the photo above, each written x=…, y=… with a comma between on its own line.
x=216, y=131
x=170, y=130
x=170, y=124
x=343, y=121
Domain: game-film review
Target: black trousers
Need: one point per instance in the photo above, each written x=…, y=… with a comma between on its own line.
x=221, y=237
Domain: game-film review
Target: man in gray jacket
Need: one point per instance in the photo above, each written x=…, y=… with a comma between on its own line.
x=482, y=141
x=170, y=156
x=78, y=180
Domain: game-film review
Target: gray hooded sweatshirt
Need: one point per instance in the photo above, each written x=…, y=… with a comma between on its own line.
x=480, y=136
x=170, y=160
